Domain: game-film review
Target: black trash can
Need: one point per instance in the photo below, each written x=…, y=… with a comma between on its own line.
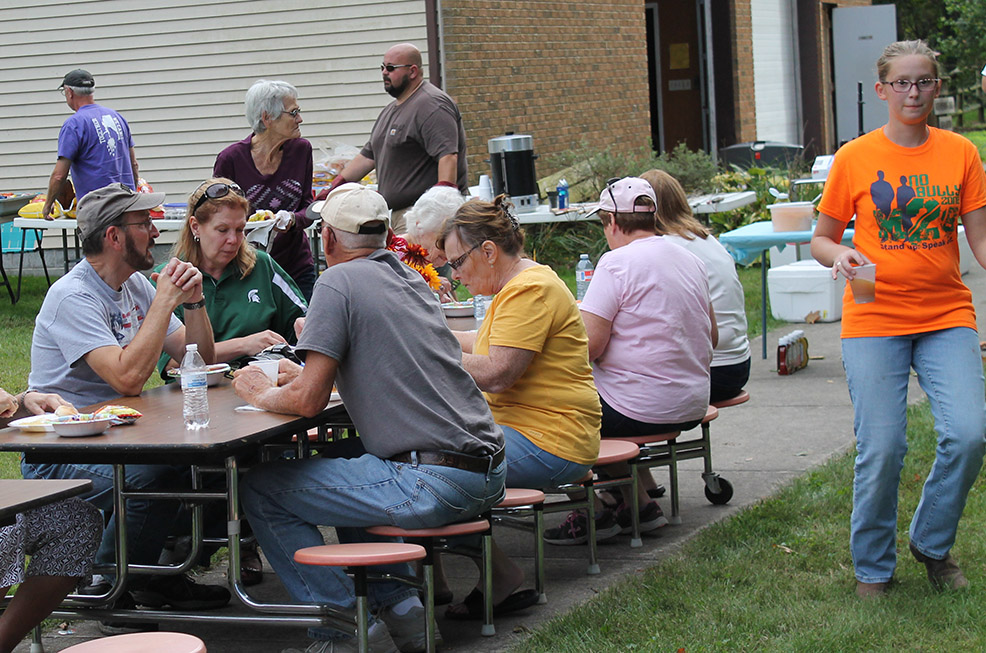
x=760, y=154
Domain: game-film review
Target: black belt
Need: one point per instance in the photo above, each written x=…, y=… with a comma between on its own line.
x=476, y=464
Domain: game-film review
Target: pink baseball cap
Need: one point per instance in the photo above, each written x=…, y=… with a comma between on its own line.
x=621, y=196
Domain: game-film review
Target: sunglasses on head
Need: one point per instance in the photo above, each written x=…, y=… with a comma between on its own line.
x=216, y=191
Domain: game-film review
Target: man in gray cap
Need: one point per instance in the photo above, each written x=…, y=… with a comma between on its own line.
x=434, y=455
x=99, y=335
x=94, y=143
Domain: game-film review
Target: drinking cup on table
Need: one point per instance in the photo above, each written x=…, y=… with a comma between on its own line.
x=864, y=283
x=269, y=368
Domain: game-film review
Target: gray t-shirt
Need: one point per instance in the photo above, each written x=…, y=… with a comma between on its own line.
x=407, y=141
x=81, y=313
x=400, y=368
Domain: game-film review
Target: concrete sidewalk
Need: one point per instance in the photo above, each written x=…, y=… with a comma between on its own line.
x=792, y=423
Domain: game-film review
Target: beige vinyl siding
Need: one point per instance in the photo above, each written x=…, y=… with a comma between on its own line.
x=178, y=71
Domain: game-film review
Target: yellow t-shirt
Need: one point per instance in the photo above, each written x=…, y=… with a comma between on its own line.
x=907, y=201
x=554, y=404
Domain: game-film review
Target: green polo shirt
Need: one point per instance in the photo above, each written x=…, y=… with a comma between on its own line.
x=267, y=298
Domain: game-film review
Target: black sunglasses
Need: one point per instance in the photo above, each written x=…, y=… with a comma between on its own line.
x=216, y=191
x=391, y=67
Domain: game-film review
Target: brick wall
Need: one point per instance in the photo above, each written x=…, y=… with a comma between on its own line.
x=559, y=71
x=744, y=104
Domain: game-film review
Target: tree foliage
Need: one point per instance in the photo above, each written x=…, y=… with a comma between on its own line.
x=955, y=28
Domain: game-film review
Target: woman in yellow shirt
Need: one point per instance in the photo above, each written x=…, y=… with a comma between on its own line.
x=530, y=358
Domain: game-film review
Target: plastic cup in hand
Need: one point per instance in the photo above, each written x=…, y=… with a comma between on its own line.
x=864, y=284
x=269, y=368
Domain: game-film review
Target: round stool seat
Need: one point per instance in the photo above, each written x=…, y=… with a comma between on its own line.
x=641, y=440
x=710, y=414
x=517, y=496
x=359, y=554
x=462, y=528
x=160, y=642
x=616, y=451
x=741, y=398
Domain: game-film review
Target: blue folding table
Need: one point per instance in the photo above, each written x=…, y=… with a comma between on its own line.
x=752, y=241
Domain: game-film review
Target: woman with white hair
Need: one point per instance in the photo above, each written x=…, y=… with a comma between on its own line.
x=424, y=223
x=273, y=166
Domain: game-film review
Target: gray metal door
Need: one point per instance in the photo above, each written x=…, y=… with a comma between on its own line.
x=859, y=35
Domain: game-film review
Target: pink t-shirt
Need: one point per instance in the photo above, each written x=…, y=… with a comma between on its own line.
x=655, y=368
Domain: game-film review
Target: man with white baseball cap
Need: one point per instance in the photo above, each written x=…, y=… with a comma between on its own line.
x=433, y=454
x=99, y=334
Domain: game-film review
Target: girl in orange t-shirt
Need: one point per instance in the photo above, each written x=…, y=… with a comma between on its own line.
x=908, y=184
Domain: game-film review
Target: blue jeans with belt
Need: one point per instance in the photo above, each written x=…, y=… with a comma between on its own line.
x=949, y=368
x=287, y=500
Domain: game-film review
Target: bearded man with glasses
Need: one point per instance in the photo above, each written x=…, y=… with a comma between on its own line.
x=417, y=142
x=99, y=334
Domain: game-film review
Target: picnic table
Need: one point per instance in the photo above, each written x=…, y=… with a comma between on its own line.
x=19, y=495
x=159, y=437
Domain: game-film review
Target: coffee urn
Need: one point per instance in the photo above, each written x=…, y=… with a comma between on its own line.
x=512, y=170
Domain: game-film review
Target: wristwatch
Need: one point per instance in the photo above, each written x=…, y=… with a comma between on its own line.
x=191, y=306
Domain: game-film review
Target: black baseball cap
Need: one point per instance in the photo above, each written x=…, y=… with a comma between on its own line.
x=79, y=79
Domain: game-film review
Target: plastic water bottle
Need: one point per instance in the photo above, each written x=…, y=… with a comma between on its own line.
x=583, y=275
x=562, y=189
x=194, y=389
x=479, y=307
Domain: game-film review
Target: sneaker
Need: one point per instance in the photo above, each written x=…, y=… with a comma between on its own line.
x=575, y=529
x=943, y=574
x=379, y=641
x=407, y=630
x=651, y=518
x=181, y=593
x=125, y=602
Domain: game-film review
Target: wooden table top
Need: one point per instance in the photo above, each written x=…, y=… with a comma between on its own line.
x=160, y=435
x=18, y=495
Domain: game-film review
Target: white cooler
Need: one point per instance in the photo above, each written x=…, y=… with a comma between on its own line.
x=799, y=288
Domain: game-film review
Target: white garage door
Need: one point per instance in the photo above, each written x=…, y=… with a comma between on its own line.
x=775, y=67
x=178, y=69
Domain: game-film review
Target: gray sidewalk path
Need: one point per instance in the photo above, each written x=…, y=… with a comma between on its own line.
x=792, y=423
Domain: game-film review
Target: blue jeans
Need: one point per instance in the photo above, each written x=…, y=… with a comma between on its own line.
x=287, y=500
x=529, y=466
x=149, y=522
x=949, y=368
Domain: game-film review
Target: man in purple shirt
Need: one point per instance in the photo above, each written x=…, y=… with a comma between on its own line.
x=94, y=143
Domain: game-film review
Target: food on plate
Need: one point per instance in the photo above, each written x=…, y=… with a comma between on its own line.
x=120, y=414
x=35, y=422
x=261, y=215
x=62, y=411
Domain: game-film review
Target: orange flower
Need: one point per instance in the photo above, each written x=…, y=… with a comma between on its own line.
x=416, y=258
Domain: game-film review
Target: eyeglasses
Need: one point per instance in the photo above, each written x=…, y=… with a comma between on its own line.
x=147, y=225
x=905, y=85
x=391, y=67
x=294, y=113
x=216, y=191
x=457, y=262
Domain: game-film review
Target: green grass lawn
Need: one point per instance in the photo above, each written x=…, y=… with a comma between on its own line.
x=778, y=577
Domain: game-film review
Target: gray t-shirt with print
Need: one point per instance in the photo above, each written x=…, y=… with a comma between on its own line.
x=400, y=368
x=81, y=313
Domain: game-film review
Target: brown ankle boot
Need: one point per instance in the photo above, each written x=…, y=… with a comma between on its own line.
x=871, y=590
x=944, y=574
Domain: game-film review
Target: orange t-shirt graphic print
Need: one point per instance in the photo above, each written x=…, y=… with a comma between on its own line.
x=907, y=203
